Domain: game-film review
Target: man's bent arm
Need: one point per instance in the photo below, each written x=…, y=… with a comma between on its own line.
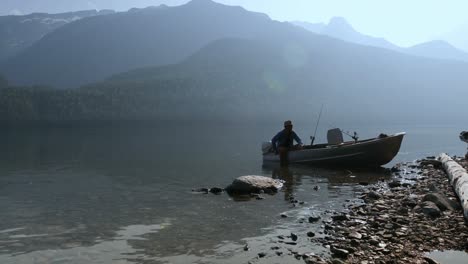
x=296, y=137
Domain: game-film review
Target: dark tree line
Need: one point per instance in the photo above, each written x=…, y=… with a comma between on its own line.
x=177, y=98
x=3, y=82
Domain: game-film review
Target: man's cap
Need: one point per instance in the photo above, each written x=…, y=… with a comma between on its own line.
x=287, y=123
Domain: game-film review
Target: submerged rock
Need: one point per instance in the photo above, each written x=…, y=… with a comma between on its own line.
x=216, y=190
x=313, y=219
x=293, y=237
x=254, y=184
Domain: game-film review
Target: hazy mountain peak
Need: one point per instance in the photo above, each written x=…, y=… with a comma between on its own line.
x=340, y=24
x=437, y=43
x=338, y=27
x=148, y=8
x=202, y=2
x=438, y=49
x=205, y=5
x=17, y=33
x=106, y=11
x=436, y=46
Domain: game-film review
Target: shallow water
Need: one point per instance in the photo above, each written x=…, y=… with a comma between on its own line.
x=449, y=257
x=123, y=194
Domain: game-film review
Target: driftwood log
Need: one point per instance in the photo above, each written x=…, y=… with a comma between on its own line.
x=458, y=178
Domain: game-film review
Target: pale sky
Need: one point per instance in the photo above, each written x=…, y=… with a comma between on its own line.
x=403, y=22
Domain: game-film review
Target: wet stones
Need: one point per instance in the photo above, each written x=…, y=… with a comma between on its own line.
x=394, y=184
x=339, y=253
x=373, y=195
x=341, y=217
x=214, y=190
x=355, y=235
x=313, y=259
x=433, y=162
x=294, y=237
x=409, y=202
x=429, y=208
x=314, y=219
x=397, y=225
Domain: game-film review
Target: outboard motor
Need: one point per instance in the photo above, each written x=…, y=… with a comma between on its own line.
x=334, y=136
x=267, y=147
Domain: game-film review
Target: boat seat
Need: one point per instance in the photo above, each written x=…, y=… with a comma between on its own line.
x=334, y=136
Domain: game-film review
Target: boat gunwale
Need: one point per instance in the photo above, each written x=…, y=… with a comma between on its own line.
x=349, y=145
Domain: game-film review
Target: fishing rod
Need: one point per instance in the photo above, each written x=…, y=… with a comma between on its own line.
x=316, y=126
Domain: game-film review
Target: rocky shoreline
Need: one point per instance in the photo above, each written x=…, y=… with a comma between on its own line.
x=393, y=221
x=399, y=221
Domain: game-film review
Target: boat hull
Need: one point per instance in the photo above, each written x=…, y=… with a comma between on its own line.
x=367, y=153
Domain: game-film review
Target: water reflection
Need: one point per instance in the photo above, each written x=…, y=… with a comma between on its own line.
x=287, y=176
x=294, y=175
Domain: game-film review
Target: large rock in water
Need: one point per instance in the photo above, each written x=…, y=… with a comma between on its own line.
x=253, y=184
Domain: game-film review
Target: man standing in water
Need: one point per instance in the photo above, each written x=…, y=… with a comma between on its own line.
x=283, y=142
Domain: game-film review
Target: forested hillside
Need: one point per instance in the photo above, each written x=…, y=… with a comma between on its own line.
x=268, y=78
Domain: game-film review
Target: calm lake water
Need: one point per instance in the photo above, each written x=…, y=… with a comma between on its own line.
x=122, y=194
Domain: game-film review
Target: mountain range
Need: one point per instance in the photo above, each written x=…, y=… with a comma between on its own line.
x=96, y=47
x=91, y=49
x=339, y=28
x=20, y=32
x=244, y=66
